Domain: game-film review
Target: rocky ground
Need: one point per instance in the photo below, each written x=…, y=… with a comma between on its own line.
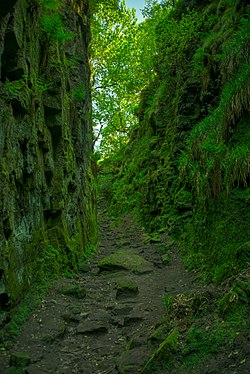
x=86, y=325
x=106, y=319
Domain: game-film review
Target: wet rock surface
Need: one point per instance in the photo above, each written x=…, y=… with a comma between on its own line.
x=101, y=321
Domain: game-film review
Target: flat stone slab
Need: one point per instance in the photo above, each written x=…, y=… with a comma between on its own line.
x=133, y=319
x=91, y=327
x=121, y=310
x=34, y=369
x=126, y=288
x=125, y=260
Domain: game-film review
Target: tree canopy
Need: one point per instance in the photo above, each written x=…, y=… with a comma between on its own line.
x=120, y=70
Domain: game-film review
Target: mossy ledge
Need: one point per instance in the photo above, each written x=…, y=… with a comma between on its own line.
x=47, y=209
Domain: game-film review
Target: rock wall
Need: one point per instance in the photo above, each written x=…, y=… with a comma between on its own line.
x=47, y=211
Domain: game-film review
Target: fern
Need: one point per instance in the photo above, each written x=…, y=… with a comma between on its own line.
x=51, y=20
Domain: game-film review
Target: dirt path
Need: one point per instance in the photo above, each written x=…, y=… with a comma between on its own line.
x=71, y=332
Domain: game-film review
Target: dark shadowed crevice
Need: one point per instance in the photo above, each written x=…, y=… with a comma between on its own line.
x=7, y=229
x=6, y=7
x=10, y=58
x=4, y=301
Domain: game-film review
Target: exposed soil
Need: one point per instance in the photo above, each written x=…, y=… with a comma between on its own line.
x=74, y=333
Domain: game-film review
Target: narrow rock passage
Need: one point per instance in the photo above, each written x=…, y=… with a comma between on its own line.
x=105, y=329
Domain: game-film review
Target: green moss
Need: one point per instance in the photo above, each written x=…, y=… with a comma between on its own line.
x=235, y=301
x=201, y=344
x=159, y=334
x=165, y=350
x=126, y=286
x=76, y=310
x=199, y=340
x=165, y=259
x=51, y=20
x=205, y=339
x=21, y=312
x=125, y=259
x=79, y=92
x=74, y=290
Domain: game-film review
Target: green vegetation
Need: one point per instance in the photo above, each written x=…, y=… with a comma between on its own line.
x=51, y=20
x=184, y=168
x=79, y=92
x=204, y=324
x=22, y=311
x=74, y=290
x=164, y=352
x=47, y=207
x=171, y=99
x=117, y=75
x=17, y=89
x=186, y=165
x=48, y=267
x=13, y=89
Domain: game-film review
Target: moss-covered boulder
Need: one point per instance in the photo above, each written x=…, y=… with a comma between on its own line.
x=125, y=260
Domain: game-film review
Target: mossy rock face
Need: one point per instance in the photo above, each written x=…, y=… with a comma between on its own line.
x=165, y=350
x=48, y=225
x=125, y=260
